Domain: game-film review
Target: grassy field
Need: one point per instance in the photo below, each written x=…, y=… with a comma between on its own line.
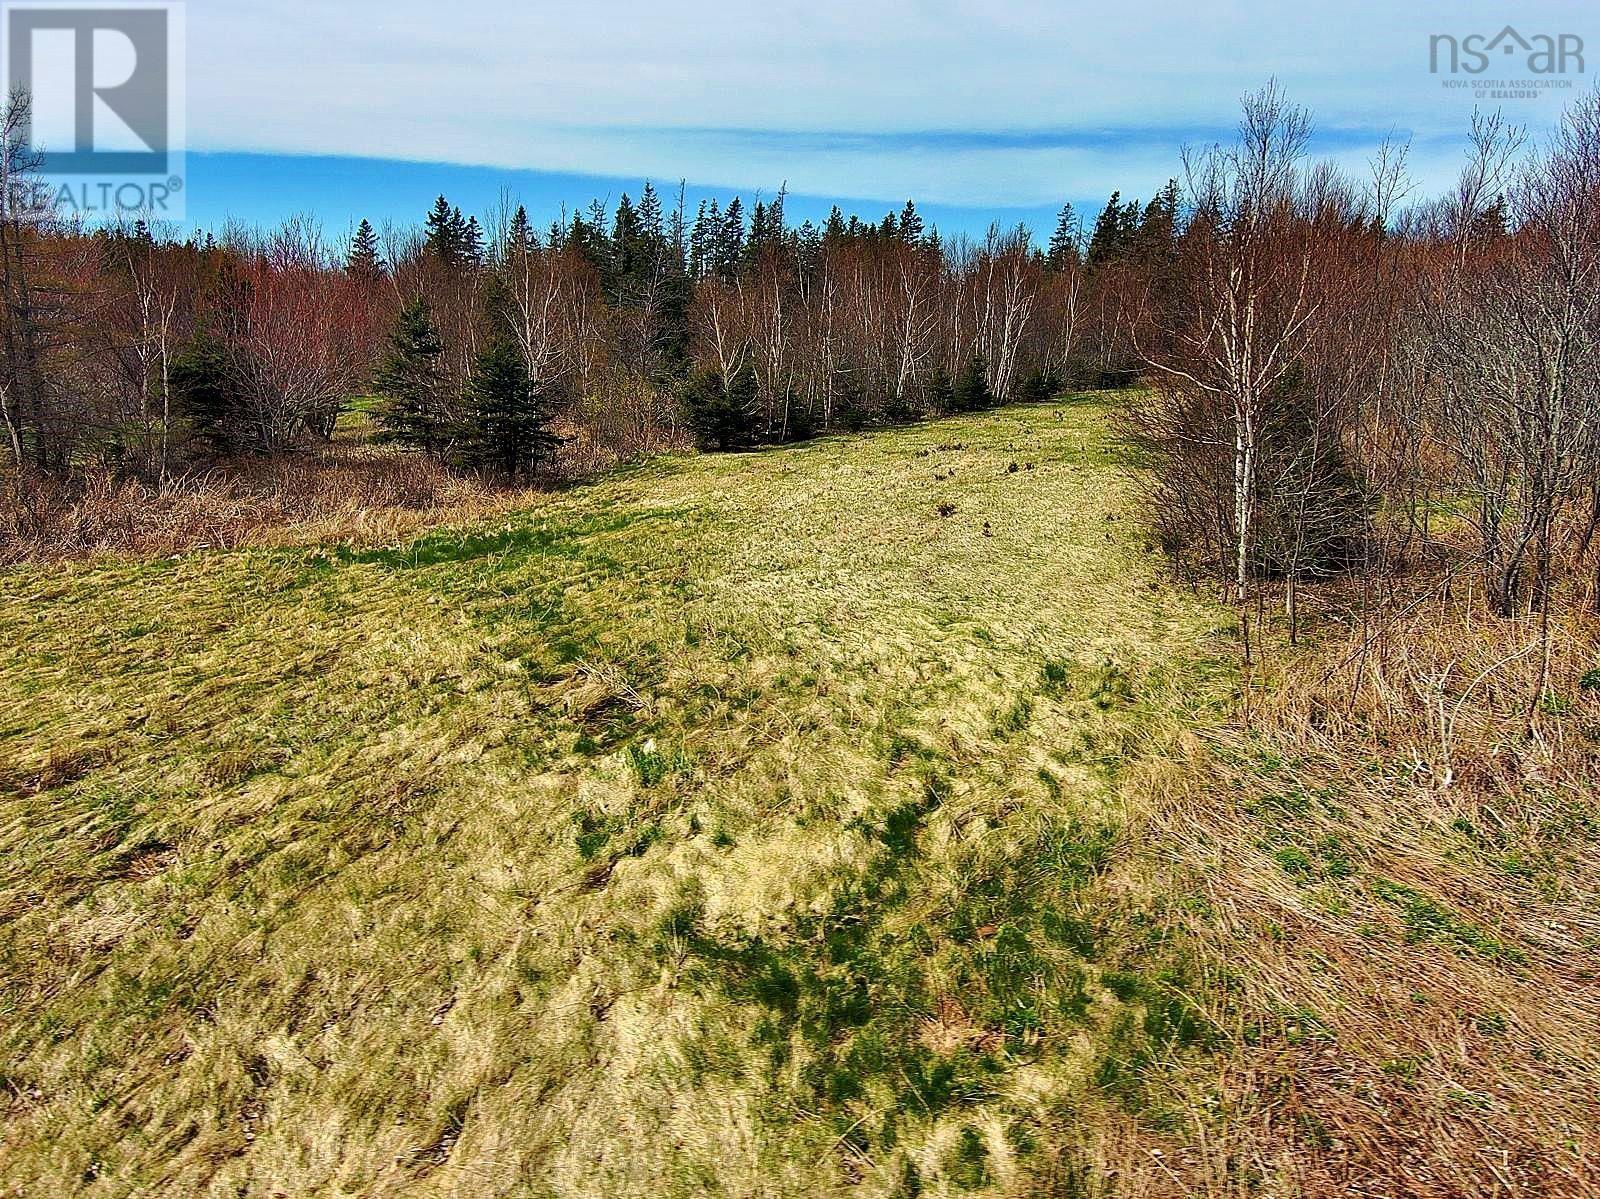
x=746, y=824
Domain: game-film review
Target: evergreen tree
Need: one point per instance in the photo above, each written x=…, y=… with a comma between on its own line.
x=591, y=236
x=940, y=393
x=717, y=410
x=1063, y=250
x=670, y=335
x=471, y=241
x=760, y=236
x=849, y=402
x=441, y=233
x=410, y=382
x=1108, y=240
x=766, y=230
x=910, y=224
x=363, y=260
x=520, y=239
x=971, y=392
x=730, y=245
x=1038, y=385
x=677, y=232
x=650, y=226
x=628, y=256
x=202, y=393
x=1128, y=226
x=703, y=239
x=834, y=230
x=1490, y=224
x=508, y=422
x=808, y=241
x=1156, y=238
x=588, y=238
x=775, y=218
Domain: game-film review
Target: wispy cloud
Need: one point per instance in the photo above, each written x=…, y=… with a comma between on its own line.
x=956, y=101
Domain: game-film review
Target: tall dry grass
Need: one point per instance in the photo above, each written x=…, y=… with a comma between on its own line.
x=1397, y=889
x=336, y=493
x=348, y=490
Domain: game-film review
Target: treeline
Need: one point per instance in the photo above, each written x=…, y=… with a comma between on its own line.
x=749, y=329
x=1335, y=371
x=473, y=339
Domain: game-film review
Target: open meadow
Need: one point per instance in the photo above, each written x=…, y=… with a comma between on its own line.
x=755, y=822
x=864, y=816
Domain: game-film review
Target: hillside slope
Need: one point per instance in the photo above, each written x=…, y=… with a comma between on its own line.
x=745, y=824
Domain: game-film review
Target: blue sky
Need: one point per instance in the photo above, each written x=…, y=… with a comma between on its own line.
x=982, y=111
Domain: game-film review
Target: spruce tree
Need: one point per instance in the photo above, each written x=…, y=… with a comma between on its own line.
x=730, y=246
x=508, y=422
x=409, y=381
x=718, y=410
x=808, y=247
x=520, y=239
x=203, y=393
x=1106, y=241
x=650, y=224
x=910, y=224
x=706, y=410
x=627, y=249
x=440, y=230
x=591, y=237
x=775, y=217
x=585, y=238
x=364, y=261
x=470, y=246
x=1063, y=250
x=1128, y=225
x=703, y=239
x=1157, y=235
x=850, y=409
x=972, y=386
x=1490, y=224
x=939, y=394
x=677, y=231
x=760, y=237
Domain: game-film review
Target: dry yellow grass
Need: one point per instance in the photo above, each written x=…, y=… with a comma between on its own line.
x=351, y=490
x=351, y=493
x=733, y=824
x=866, y=817
x=1401, y=907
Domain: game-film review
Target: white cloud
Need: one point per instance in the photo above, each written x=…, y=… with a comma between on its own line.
x=620, y=88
